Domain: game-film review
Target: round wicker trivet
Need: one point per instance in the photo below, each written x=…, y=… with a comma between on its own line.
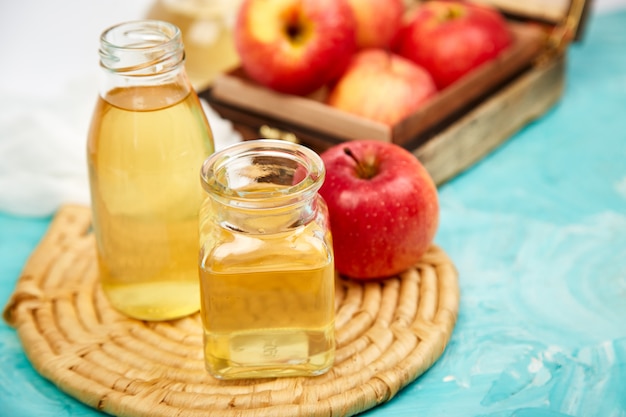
x=388, y=333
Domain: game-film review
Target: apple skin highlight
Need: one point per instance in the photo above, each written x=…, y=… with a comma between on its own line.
x=377, y=21
x=381, y=225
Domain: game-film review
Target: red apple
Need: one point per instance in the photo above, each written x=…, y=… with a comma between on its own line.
x=295, y=46
x=377, y=21
x=383, y=208
x=450, y=39
x=381, y=86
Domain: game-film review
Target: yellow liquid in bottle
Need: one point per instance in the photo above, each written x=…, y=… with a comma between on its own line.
x=145, y=148
x=268, y=304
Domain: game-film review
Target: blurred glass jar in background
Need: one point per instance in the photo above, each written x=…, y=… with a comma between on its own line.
x=206, y=26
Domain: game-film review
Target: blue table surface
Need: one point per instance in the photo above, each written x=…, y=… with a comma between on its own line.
x=537, y=231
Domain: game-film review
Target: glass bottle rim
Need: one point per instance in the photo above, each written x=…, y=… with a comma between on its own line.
x=141, y=47
x=306, y=186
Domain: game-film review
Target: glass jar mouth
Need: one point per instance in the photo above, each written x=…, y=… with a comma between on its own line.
x=262, y=173
x=142, y=47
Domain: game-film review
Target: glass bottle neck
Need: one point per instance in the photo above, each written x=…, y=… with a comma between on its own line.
x=265, y=220
x=146, y=53
x=263, y=186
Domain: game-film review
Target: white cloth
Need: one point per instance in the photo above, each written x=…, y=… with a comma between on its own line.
x=43, y=148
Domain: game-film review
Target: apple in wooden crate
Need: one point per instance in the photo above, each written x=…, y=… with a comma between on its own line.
x=381, y=86
x=377, y=21
x=451, y=38
x=383, y=208
x=295, y=46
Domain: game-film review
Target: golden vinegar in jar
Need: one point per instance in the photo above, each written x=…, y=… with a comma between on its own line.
x=147, y=141
x=266, y=263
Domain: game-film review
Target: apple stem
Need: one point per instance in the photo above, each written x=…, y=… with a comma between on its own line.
x=452, y=13
x=364, y=171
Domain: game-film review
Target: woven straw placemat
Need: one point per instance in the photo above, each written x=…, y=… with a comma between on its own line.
x=388, y=333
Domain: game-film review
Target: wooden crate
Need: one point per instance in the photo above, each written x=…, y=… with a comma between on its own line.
x=462, y=124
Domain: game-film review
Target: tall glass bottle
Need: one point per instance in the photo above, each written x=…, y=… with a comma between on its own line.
x=146, y=144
